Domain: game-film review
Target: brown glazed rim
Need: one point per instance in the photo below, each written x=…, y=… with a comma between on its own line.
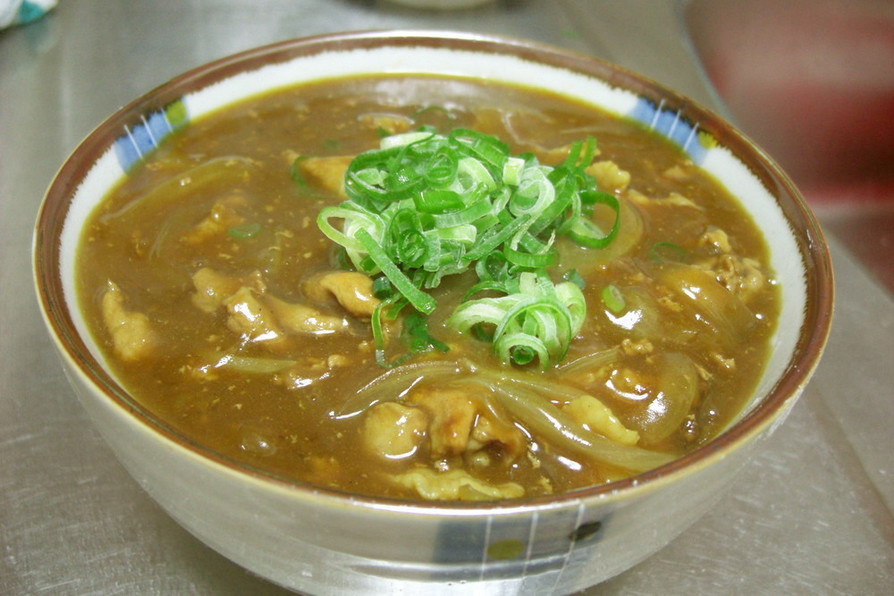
x=810, y=242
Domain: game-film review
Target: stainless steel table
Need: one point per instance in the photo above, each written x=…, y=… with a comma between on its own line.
x=813, y=515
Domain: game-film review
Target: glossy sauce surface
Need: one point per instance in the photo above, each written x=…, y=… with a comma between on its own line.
x=215, y=223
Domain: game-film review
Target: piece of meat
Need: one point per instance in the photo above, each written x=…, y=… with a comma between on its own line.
x=352, y=290
x=133, y=337
x=222, y=217
x=595, y=416
x=741, y=276
x=259, y=316
x=715, y=240
x=213, y=288
x=389, y=123
x=681, y=172
x=326, y=172
x=674, y=199
x=493, y=429
x=394, y=431
x=609, y=177
x=305, y=320
x=453, y=414
x=461, y=424
x=250, y=318
x=455, y=485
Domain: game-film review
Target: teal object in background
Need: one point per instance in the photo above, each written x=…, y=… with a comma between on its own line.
x=19, y=12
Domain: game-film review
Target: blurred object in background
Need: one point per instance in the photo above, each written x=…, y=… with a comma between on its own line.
x=19, y=12
x=812, y=81
x=441, y=4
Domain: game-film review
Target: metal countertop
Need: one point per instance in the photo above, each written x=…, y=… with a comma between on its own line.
x=813, y=514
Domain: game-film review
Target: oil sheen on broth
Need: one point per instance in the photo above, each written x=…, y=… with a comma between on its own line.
x=227, y=313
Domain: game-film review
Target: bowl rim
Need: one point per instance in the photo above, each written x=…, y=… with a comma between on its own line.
x=819, y=285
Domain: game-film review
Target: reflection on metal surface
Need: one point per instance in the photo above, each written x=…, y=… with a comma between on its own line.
x=814, y=516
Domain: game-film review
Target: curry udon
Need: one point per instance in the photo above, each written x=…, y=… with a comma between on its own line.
x=531, y=355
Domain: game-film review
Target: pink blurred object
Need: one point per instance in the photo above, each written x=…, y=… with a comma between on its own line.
x=812, y=81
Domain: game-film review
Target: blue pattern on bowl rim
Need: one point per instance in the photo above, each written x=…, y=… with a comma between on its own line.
x=142, y=138
x=672, y=125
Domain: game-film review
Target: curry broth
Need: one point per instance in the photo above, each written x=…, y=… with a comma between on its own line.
x=146, y=241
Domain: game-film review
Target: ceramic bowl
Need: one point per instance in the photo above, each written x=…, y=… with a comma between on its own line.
x=321, y=542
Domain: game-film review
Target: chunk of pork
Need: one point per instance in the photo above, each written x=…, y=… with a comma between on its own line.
x=133, y=337
x=394, y=431
x=609, y=177
x=390, y=123
x=256, y=314
x=595, y=416
x=455, y=485
x=223, y=215
x=462, y=424
x=252, y=319
x=326, y=172
x=740, y=275
x=674, y=199
x=305, y=320
x=213, y=288
x=352, y=290
x=267, y=318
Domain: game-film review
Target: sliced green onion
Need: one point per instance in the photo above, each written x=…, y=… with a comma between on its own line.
x=528, y=260
x=415, y=333
x=416, y=330
x=249, y=230
x=489, y=149
x=539, y=319
x=490, y=242
x=585, y=232
x=574, y=277
x=378, y=332
x=512, y=170
x=382, y=288
x=438, y=201
x=355, y=218
x=613, y=299
x=424, y=206
x=668, y=252
x=404, y=139
x=419, y=299
x=472, y=213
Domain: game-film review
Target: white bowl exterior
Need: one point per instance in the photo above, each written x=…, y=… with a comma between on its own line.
x=319, y=544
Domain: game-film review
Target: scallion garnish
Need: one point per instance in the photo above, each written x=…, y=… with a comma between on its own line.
x=663, y=252
x=426, y=205
x=248, y=230
x=574, y=277
x=613, y=299
x=535, y=318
